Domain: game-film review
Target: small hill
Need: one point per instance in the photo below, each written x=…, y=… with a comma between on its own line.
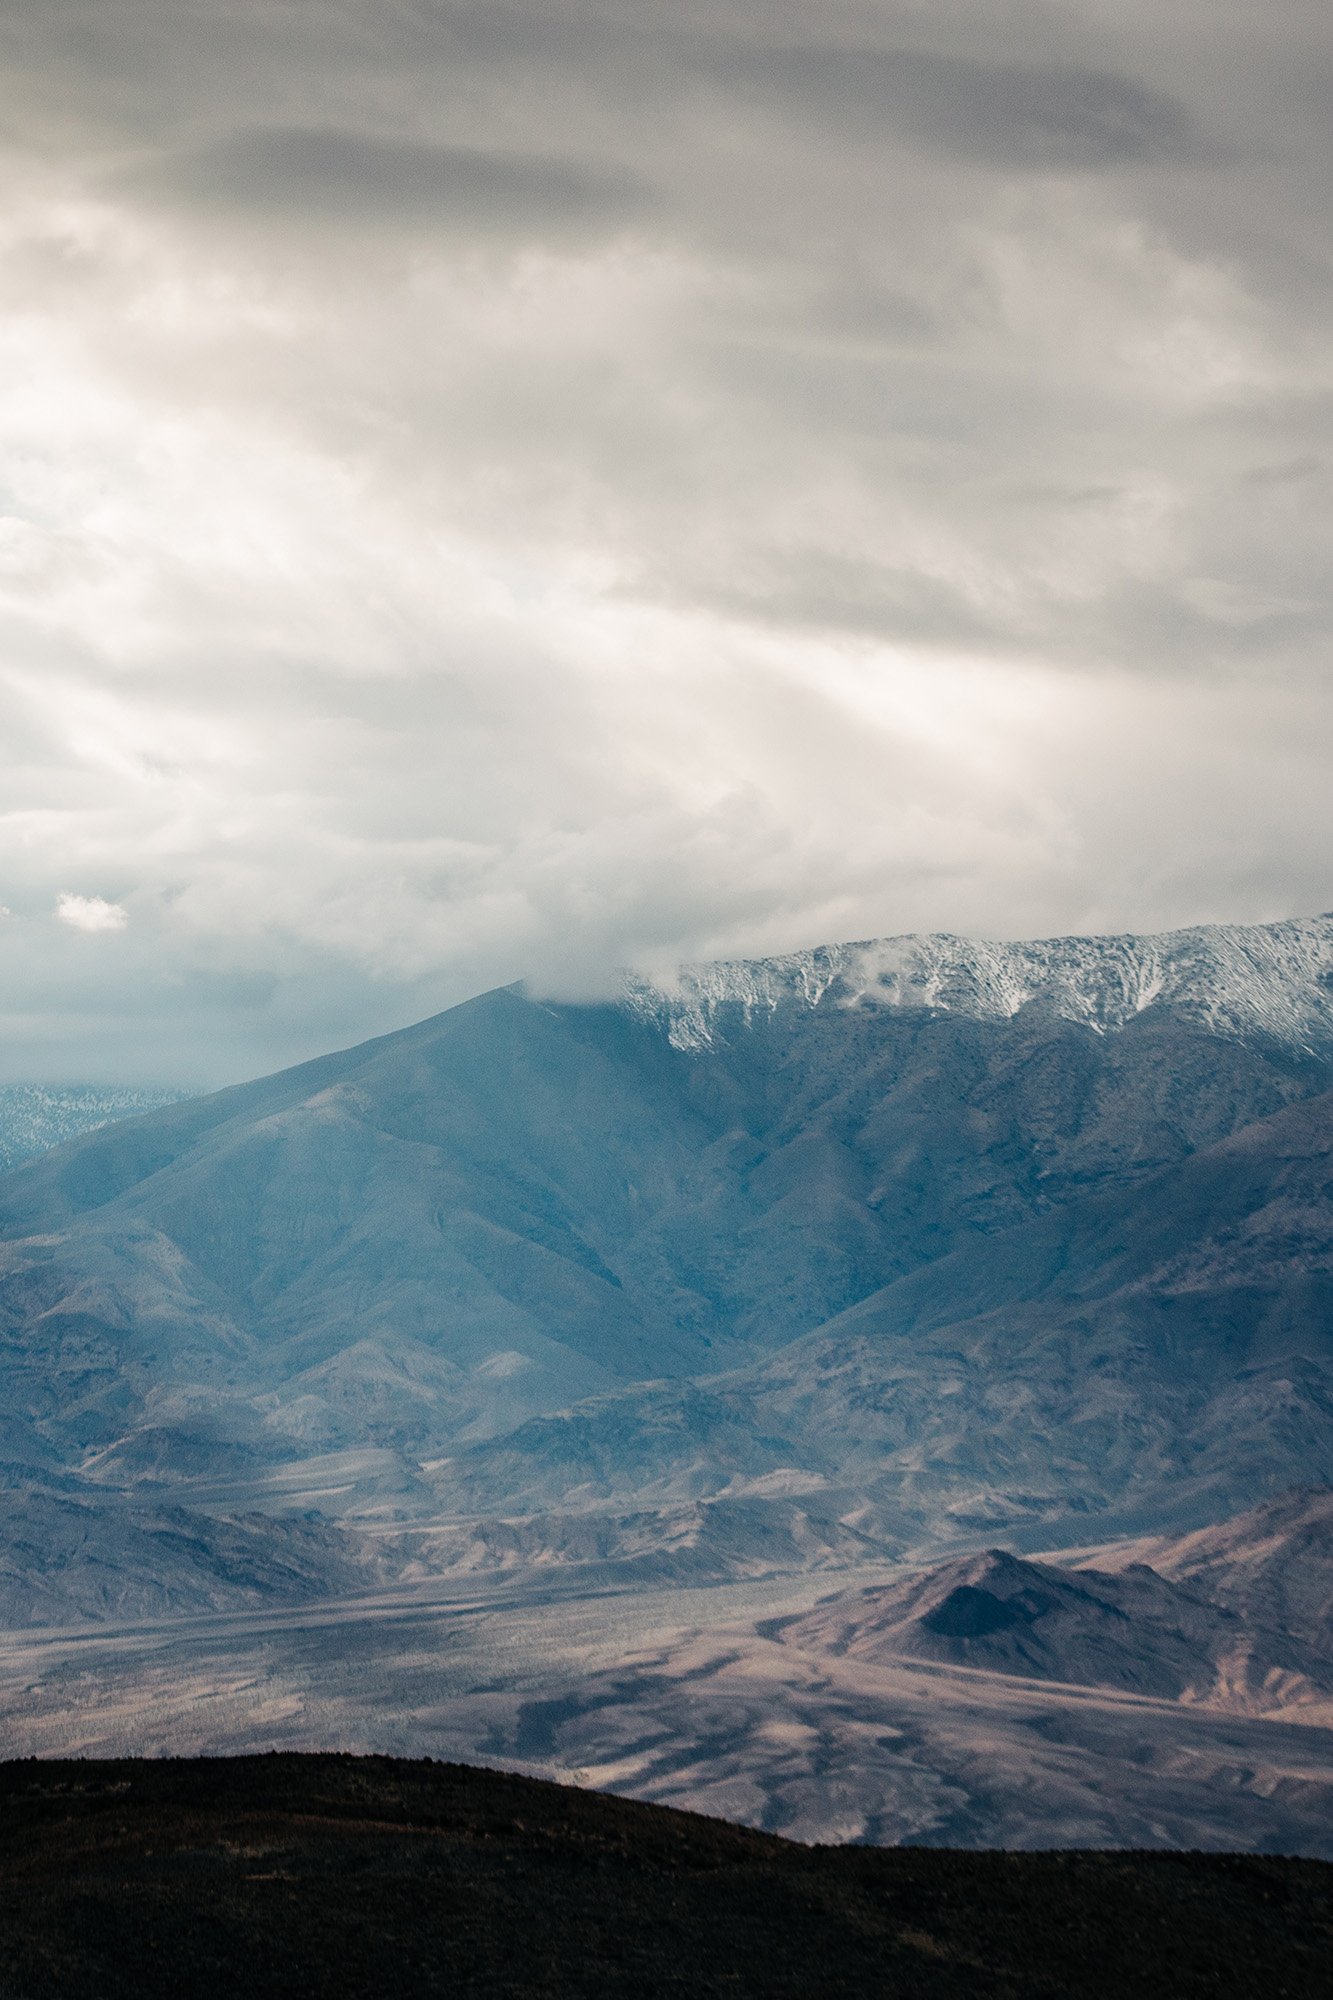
x=336, y=1877
x=67, y=1556
x=1135, y=1632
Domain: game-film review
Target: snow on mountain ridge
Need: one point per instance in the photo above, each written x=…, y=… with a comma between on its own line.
x=1273, y=980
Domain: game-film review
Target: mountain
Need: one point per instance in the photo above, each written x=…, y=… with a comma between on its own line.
x=1161, y=1345
x=864, y=1249
x=67, y=1555
x=1133, y=1630
x=36, y=1116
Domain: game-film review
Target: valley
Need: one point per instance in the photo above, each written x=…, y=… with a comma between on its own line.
x=804, y=1704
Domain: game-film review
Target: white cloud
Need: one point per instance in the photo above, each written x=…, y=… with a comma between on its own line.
x=90, y=913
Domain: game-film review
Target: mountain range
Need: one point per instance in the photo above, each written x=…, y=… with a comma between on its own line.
x=953, y=1235
x=908, y=1259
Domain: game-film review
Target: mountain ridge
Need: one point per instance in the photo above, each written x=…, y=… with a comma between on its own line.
x=1275, y=979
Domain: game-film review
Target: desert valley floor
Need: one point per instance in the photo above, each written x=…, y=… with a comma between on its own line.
x=689, y=1698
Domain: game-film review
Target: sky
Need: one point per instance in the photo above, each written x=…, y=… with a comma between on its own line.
x=495, y=491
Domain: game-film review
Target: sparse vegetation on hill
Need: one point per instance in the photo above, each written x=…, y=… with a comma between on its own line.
x=335, y=1876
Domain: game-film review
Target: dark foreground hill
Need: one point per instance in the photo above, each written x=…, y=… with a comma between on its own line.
x=331, y=1876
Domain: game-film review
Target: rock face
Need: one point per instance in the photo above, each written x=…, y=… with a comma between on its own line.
x=882, y=1246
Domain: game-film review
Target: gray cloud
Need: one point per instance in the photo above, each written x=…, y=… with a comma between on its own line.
x=321, y=173
x=1041, y=117
x=495, y=489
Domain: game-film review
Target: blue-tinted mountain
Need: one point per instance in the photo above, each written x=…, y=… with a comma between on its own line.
x=907, y=1238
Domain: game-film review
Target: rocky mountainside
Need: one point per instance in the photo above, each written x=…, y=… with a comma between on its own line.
x=1160, y=1348
x=868, y=1249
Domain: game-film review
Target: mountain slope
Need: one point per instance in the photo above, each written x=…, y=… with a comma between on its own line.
x=951, y=1233
x=1167, y=1346
x=68, y=1555
x=1272, y=1565
x=1236, y=1235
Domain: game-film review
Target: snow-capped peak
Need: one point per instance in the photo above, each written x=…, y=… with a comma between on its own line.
x=1269, y=980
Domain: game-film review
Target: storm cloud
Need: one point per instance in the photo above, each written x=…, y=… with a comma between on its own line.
x=493, y=491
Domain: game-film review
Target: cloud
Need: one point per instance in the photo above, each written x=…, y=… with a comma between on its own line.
x=500, y=490
x=90, y=913
x=1037, y=117
x=331, y=174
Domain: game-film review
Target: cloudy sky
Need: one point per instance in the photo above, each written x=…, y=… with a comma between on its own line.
x=498, y=489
